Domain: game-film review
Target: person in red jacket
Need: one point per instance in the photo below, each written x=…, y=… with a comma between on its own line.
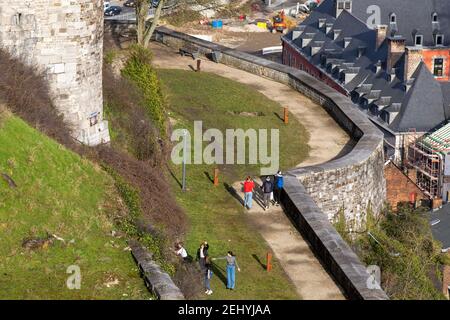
x=248, y=192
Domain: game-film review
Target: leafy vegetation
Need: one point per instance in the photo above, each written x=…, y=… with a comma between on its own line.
x=401, y=244
x=129, y=224
x=139, y=70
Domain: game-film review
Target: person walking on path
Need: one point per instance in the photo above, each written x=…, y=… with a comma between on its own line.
x=231, y=269
x=248, y=192
x=267, y=189
x=208, y=276
x=279, y=183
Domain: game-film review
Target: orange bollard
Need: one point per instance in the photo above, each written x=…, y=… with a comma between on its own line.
x=286, y=115
x=216, y=177
x=269, y=261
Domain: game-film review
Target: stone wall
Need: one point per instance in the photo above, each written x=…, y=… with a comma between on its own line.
x=156, y=280
x=313, y=195
x=64, y=39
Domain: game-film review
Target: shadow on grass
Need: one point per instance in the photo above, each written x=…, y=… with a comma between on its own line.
x=208, y=175
x=175, y=177
x=259, y=261
x=278, y=116
x=219, y=272
x=234, y=193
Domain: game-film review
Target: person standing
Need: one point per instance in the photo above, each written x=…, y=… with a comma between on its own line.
x=248, y=192
x=267, y=189
x=279, y=184
x=201, y=256
x=208, y=276
x=231, y=269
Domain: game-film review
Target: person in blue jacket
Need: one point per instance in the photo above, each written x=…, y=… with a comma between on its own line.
x=279, y=183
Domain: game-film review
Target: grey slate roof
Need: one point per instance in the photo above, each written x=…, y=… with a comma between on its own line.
x=411, y=17
x=424, y=106
x=345, y=48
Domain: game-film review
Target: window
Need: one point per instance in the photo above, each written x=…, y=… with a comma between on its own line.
x=435, y=17
x=340, y=5
x=418, y=40
x=348, y=5
x=393, y=18
x=439, y=40
x=438, y=67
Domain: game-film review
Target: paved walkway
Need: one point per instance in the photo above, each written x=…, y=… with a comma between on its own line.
x=327, y=141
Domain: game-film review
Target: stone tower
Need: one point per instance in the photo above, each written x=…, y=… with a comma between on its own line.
x=64, y=38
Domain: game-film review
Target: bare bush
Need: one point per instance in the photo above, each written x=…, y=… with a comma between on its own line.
x=24, y=90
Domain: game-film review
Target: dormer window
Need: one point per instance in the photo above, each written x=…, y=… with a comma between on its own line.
x=435, y=17
x=439, y=40
x=418, y=40
x=393, y=18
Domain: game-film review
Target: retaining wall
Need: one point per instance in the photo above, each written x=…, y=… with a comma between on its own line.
x=314, y=195
x=155, y=279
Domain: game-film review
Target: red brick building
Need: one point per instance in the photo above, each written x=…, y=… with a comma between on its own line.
x=400, y=188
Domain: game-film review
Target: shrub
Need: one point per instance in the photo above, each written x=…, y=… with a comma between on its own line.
x=131, y=127
x=24, y=90
x=406, y=253
x=139, y=70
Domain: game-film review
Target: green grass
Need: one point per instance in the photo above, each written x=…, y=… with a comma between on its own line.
x=214, y=214
x=60, y=193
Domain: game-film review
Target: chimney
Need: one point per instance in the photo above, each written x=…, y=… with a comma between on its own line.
x=381, y=31
x=413, y=57
x=396, y=49
x=341, y=5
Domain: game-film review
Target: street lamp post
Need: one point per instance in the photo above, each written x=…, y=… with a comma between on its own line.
x=184, y=160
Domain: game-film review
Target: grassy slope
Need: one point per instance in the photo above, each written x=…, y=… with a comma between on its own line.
x=214, y=214
x=65, y=195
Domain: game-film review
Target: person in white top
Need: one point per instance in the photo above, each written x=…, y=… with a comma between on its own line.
x=181, y=251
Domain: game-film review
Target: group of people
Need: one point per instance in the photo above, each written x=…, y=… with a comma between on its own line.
x=271, y=189
x=205, y=262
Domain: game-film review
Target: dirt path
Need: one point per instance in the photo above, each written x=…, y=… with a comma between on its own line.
x=327, y=141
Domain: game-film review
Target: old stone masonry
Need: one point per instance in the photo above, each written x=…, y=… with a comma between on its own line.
x=64, y=38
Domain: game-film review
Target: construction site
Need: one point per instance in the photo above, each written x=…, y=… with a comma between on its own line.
x=428, y=163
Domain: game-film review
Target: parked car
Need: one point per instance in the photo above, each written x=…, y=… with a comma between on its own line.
x=130, y=3
x=113, y=11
